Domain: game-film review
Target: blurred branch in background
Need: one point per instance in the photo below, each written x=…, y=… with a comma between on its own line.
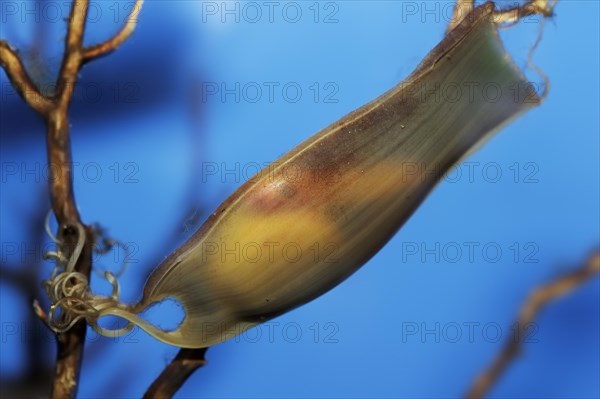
x=25, y=277
x=536, y=301
x=194, y=208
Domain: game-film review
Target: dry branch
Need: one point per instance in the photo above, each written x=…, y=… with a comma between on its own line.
x=176, y=373
x=545, y=8
x=102, y=49
x=537, y=300
x=20, y=80
x=55, y=112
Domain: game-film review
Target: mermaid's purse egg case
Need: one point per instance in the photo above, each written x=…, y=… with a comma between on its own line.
x=298, y=229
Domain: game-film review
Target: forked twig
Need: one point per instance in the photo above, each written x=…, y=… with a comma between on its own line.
x=55, y=112
x=102, y=49
x=20, y=80
x=537, y=300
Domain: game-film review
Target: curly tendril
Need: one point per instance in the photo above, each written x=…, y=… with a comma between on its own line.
x=69, y=291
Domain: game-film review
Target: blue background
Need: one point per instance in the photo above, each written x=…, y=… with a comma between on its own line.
x=141, y=121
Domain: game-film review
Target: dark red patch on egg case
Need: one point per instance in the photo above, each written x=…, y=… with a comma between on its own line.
x=313, y=175
x=308, y=180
